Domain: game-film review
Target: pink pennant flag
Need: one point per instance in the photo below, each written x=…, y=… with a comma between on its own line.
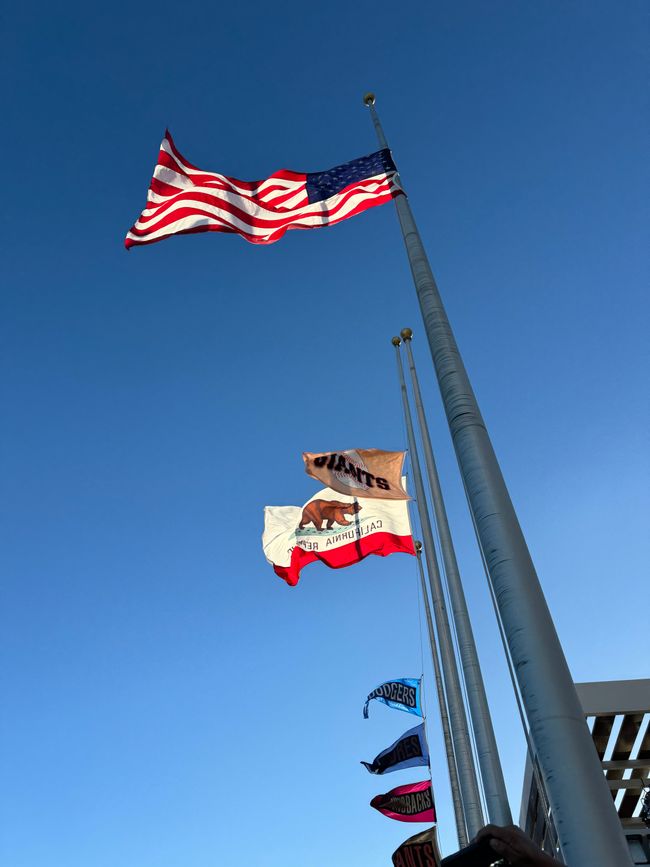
x=410, y=803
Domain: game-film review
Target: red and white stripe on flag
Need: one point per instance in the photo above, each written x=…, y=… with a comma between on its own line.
x=183, y=199
x=336, y=529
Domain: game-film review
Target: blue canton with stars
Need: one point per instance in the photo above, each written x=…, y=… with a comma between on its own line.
x=323, y=185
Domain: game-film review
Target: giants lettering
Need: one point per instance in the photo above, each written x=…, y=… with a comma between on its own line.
x=341, y=464
x=418, y=855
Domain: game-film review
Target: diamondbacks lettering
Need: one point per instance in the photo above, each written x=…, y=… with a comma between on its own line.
x=409, y=804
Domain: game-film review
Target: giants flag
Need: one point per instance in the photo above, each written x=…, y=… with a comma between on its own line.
x=335, y=529
x=183, y=199
x=359, y=472
x=410, y=803
x=403, y=693
x=420, y=850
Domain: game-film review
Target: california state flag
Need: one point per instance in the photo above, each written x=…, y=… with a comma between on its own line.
x=336, y=529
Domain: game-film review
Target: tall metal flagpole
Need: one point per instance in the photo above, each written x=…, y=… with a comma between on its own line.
x=444, y=716
x=486, y=747
x=459, y=728
x=588, y=826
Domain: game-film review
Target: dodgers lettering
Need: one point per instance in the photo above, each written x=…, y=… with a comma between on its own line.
x=397, y=692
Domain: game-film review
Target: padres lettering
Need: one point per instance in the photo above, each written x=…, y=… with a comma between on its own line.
x=394, y=691
x=338, y=463
x=407, y=748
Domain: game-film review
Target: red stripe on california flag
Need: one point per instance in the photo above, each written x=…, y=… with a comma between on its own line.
x=381, y=544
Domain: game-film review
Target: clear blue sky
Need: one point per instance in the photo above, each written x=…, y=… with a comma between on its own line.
x=166, y=700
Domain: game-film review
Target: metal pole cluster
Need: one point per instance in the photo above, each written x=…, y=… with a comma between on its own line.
x=494, y=785
x=588, y=826
x=458, y=719
x=444, y=715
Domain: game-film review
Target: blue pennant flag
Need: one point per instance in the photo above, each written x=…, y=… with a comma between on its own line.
x=402, y=694
x=408, y=751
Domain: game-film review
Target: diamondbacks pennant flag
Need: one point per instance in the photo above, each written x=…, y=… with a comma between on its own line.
x=335, y=529
x=183, y=199
x=408, y=751
x=420, y=850
x=359, y=472
x=410, y=803
x=403, y=693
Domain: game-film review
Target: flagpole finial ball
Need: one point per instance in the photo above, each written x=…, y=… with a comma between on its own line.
x=406, y=333
x=418, y=546
x=396, y=341
x=369, y=99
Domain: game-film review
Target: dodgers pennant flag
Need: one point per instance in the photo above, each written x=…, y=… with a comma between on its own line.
x=183, y=199
x=403, y=693
x=335, y=529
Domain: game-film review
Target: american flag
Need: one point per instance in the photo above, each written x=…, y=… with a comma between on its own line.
x=184, y=199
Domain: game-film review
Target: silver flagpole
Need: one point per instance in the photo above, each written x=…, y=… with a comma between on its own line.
x=444, y=716
x=486, y=747
x=588, y=826
x=459, y=728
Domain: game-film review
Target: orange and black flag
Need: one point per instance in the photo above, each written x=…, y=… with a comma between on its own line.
x=359, y=472
x=420, y=850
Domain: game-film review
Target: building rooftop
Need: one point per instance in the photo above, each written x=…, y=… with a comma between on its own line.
x=618, y=716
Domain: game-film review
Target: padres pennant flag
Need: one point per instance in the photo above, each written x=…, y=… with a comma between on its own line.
x=410, y=803
x=183, y=199
x=401, y=694
x=359, y=472
x=420, y=850
x=408, y=751
x=335, y=529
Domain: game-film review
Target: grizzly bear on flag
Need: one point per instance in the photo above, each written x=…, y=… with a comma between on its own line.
x=332, y=511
